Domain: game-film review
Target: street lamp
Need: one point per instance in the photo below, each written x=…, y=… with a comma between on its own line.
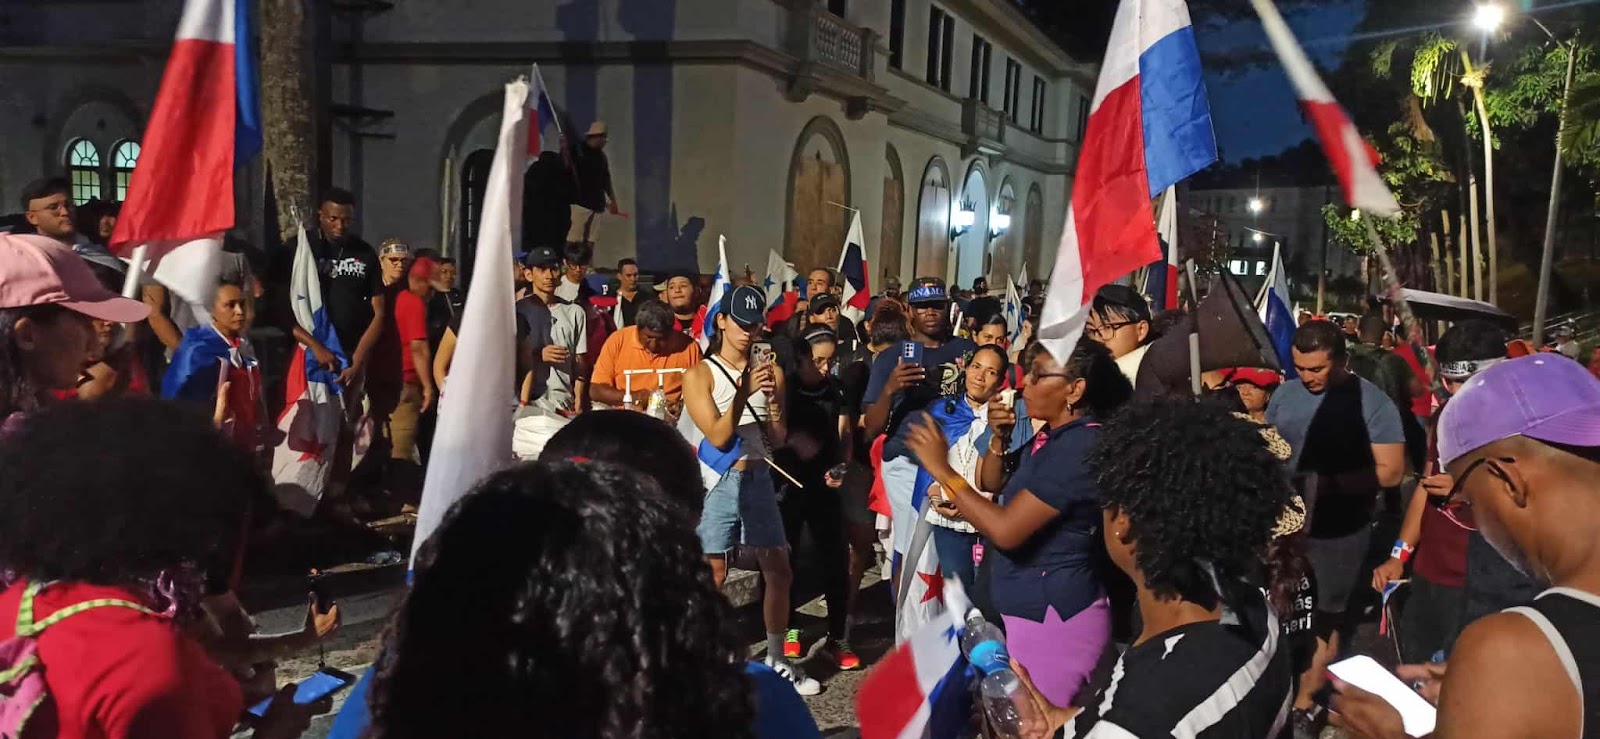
x=1488, y=17
x=1256, y=237
x=1255, y=205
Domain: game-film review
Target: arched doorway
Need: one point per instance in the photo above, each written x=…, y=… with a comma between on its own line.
x=971, y=247
x=894, y=213
x=1033, y=233
x=1003, y=253
x=933, y=221
x=819, y=180
x=474, y=180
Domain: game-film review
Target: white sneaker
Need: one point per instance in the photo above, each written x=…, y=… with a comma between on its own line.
x=796, y=677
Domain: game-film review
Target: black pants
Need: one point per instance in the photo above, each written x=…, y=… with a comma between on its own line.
x=822, y=509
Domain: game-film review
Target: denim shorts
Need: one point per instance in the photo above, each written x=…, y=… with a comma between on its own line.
x=742, y=508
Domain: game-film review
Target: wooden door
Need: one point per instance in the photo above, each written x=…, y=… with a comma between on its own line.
x=894, y=211
x=933, y=230
x=816, y=225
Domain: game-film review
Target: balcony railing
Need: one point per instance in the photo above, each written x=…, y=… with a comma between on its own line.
x=820, y=37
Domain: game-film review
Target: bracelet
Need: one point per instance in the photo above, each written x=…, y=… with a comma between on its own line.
x=1402, y=551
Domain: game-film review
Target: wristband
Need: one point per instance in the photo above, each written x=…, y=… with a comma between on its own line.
x=1402, y=551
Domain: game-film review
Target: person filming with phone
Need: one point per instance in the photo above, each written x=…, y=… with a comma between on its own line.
x=1522, y=442
x=906, y=380
x=735, y=399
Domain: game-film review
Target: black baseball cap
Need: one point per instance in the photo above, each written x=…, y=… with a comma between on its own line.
x=680, y=272
x=541, y=256
x=821, y=303
x=1124, y=297
x=746, y=305
x=928, y=290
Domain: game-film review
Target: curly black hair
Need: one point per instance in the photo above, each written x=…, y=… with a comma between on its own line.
x=1199, y=486
x=631, y=439
x=114, y=492
x=1106, y=388
x=563, y=599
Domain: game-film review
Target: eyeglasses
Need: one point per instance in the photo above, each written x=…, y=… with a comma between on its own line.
x=1034, y=375
x=1455, y=505
x=57, y=207
x=1105, y=330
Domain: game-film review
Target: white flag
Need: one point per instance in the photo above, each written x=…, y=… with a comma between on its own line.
x=473, y=437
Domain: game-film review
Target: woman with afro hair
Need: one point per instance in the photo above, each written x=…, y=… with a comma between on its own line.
x=1191, y=494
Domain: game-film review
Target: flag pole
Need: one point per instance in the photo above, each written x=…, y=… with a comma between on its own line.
x=1194, y=329
x=136, y=265
x=1413, y=329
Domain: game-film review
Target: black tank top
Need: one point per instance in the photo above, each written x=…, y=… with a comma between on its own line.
x=1570, y=619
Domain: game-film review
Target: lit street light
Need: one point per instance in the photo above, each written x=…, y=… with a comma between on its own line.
x=1255, y=205
x=1256, y=237
x=1488, y=17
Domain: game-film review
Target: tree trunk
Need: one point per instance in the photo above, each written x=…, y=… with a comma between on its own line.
x=1449, y=285
x=286, y=109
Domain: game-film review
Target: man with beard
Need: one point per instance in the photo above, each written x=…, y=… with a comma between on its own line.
x=902, y=385
x=1522, y=442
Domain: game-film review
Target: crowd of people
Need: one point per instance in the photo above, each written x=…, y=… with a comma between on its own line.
x=1160, y=563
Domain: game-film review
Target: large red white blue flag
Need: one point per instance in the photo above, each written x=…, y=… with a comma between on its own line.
x=782, y=295
x=1149, y=127
x=205, y=124
x=1354, y=161
x=308, y=427
x=920, y=690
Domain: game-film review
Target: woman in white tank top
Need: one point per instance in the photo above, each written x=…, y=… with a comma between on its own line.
x=736, y=403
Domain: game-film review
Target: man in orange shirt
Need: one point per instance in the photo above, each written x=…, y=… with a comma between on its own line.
x=651, y=343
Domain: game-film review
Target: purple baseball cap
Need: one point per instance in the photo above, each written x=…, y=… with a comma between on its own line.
x=1545, y=397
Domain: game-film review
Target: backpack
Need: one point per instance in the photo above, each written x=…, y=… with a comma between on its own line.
x=22, y=685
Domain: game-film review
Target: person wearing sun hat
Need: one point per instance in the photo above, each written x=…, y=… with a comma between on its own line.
x=48, y=297
x=1521, y=439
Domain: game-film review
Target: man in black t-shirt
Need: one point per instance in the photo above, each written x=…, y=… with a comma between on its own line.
x=982, y=304
x=901, y=386
x=352, y=294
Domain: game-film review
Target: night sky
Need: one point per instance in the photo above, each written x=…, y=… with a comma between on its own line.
x=1254, y=111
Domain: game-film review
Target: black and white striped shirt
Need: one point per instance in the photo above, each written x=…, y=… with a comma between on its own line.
x=1205, y=679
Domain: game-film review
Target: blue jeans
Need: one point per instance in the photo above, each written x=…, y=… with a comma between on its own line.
x=955, y=554
x=742, y=508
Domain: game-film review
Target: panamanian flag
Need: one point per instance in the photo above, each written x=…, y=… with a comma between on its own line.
x=1149, y=127
x=544, y=111
x=308, y=426
x=205, y=124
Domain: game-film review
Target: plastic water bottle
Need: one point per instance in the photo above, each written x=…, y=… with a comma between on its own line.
x=657, y=407
x=1006, y=702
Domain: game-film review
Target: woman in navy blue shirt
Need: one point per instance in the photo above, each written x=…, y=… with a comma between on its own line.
x=1043, y=530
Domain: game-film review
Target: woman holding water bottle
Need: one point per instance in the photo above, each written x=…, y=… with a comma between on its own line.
x=1041, y=535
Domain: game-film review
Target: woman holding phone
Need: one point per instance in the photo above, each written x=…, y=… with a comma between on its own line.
x=964, y=419
x=1042, y=538
x=734, y=403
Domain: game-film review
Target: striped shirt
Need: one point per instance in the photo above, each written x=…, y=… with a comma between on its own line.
x=1205, y=679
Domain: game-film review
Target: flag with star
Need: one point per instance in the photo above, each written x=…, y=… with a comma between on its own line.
x=308, y=427
x=922, y=688
x=782, y=294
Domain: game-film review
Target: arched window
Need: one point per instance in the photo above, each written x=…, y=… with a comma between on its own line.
x=123, y=157
x=474, y=182
x=83, y=162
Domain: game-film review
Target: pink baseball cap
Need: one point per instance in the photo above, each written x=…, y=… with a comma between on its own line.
x=37, y=270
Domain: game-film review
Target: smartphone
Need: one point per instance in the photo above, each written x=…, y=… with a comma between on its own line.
x=324, y=682
x=317, y=587
x=911, y=352
x=760, y=353
x=1416, y=713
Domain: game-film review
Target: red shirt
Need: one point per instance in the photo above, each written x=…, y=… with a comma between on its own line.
x=411, y=324
x=1442, y=550
x=116, y=673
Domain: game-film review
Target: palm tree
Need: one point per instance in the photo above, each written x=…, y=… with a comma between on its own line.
x=288, y=143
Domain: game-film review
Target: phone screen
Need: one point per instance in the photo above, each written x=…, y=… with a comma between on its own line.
x=1418, y=715
x=317, y=685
